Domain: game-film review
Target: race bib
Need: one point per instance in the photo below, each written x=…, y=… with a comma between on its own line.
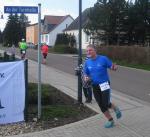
x=104, y=86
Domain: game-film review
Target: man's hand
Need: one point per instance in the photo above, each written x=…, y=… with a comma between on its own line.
x=114, y=67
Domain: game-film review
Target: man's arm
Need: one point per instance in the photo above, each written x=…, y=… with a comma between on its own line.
x=85, y=73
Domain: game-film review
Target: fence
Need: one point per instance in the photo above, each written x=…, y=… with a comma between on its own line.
x=129, y=54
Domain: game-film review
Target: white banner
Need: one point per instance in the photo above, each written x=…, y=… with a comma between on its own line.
x=12, y=92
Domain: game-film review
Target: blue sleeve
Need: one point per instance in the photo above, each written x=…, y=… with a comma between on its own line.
x=108, y=62
x=85, y=69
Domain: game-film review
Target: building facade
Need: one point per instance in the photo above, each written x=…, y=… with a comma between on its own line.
x=32, y=34
x=53, y=25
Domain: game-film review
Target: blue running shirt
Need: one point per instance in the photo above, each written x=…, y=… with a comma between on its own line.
x=96, y=69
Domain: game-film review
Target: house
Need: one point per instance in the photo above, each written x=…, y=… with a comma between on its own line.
x=53, y=25
x=32, y=34
x=73, y=29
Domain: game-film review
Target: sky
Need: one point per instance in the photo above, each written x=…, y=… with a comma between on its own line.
x=48, y=7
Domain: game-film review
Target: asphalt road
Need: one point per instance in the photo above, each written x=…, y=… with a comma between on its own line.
x=132, y=82
x=126, y=80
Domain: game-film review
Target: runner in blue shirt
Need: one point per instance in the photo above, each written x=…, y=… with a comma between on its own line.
x=95, y=69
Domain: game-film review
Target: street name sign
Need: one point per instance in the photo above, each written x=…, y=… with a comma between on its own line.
x=21, y=9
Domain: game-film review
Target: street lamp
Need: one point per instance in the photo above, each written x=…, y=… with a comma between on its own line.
x=80, y=53
x=1, y=17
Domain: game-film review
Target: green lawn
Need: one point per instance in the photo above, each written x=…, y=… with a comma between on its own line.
x=54, y=103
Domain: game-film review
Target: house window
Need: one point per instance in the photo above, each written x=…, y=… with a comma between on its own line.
x=66, y=25
x=46, y=38
x=86, y=38
x=42, y=38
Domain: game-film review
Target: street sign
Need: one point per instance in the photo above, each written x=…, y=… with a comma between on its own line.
x=31, y=10
x=21, y=9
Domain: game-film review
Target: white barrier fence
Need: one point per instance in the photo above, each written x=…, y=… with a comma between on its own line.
x=12, y=92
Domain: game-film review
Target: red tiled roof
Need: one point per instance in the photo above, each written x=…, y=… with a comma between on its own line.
x=54, y=19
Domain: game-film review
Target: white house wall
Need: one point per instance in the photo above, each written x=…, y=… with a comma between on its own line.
x=85, y=42
x=58, y=29
x=45, y=38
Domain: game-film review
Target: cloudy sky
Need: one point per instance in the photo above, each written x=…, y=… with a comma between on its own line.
x=48, y=7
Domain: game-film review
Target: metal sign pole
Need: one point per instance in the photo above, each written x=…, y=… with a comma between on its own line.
x=39, y=62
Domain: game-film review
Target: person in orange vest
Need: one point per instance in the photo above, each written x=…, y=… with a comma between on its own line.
x=44, y=50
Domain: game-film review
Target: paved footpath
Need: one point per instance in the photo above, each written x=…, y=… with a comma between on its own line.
x=134, y=123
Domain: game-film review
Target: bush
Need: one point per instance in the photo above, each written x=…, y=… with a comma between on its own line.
x=65, y=39
x=59, y=48
x=64, y=49
x=70, y=50
x=62, y=39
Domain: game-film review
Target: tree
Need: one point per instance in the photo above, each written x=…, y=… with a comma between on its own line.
x=62, y=39
x=103, y=19
x=65, y=39
x=120, y=21
x=141, y=7
x=65, y=43
x=15, y=29
x=11, y=31
x=97, y=20
x=23, y=24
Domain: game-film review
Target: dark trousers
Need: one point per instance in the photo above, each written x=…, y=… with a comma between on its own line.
x=87, y=93
x=102, y=98
x=44, y=55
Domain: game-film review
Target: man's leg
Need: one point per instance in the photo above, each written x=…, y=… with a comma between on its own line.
x=105, y=108
x=44, y=58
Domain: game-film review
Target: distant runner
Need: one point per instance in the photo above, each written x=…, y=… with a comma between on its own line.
x=44, y=50
x=23, y=48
